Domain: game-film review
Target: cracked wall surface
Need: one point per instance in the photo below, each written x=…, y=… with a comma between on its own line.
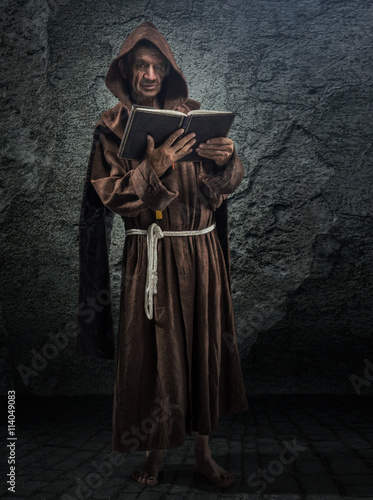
x=299, y=76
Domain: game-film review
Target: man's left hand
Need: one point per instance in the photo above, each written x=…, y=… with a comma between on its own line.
x=219, y=149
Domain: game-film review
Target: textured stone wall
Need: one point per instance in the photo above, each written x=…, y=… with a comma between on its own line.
x=299, y=75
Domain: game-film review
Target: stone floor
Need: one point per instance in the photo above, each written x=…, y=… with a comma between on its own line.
x=286, y=447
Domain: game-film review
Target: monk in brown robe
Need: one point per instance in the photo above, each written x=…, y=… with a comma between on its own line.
x=177, y=365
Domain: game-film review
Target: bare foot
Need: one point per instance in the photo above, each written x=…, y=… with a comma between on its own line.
x=215, y=474
x=207, y=466
x=147, y=472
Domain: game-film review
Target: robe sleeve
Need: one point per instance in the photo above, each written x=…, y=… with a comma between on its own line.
x=222, y=180
x=127, y=187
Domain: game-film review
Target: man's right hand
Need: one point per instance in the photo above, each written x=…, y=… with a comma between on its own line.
x=171, y=151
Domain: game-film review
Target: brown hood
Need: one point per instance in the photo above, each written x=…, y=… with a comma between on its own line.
x=175, y=85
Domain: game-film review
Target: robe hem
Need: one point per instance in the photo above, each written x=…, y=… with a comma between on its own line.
x=175, y=444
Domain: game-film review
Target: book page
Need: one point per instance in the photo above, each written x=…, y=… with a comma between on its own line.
x=208, y=112
x=148, y=110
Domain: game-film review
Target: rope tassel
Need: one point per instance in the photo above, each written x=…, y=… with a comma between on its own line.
x=154, y=234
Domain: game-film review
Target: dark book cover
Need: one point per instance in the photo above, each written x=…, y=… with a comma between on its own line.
x=143, y=121
x=206, y=126
x=160, y=124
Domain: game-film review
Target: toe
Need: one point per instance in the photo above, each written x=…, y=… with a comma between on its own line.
x=226, y=479
x=139, y=476
x=135, y=475
x=152, y=480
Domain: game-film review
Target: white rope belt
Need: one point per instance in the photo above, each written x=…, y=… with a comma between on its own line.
x=153, y=234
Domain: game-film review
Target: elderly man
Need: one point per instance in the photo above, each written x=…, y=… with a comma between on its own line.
x=177, y=363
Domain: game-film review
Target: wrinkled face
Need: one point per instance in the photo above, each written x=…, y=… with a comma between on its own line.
x=147, y=73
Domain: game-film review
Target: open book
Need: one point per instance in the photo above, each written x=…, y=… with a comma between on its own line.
x=161, y=123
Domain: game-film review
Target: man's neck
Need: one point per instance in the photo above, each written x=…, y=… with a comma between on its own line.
x=152, y=102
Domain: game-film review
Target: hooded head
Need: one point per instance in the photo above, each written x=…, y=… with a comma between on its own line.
x=174, y=86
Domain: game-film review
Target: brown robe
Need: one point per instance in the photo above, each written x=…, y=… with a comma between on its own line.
x=179, y=371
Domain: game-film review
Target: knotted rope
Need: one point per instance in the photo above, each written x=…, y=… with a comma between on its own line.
x=153, y=234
